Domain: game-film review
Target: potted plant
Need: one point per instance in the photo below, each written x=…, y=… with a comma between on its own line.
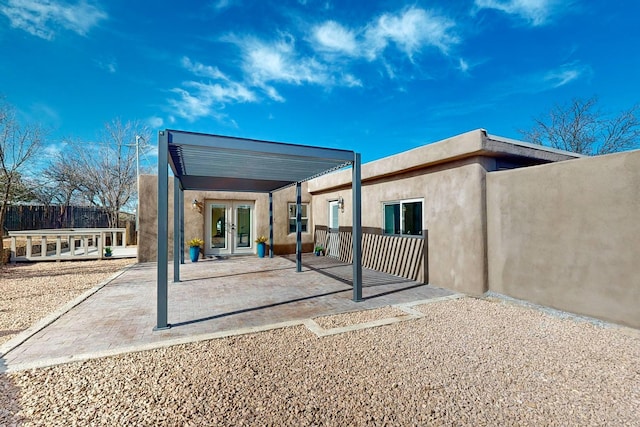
x=194, y=248
x=108, y=251
x=261, y=241
x=319, y=249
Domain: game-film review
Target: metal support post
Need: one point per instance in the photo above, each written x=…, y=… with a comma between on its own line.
x=181, y=210
x=298, y=227
x=356, y=190
x=270, y=225
x=176, y=229
x=163, y=233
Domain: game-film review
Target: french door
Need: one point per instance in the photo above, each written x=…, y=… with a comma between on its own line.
x=229, y=228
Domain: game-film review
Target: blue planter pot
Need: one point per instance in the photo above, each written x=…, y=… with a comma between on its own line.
x=261, y=249
x=194, y=253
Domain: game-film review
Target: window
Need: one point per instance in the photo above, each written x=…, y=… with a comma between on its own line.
x=403, y=218
x=293, y=211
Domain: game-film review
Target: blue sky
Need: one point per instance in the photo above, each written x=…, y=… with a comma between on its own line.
x=379, y=77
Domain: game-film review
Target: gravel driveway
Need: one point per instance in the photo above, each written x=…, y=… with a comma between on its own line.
x=467, y=362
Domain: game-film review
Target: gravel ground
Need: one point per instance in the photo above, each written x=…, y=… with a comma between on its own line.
x=29, y=292
x=364, y=316
x=467, y=362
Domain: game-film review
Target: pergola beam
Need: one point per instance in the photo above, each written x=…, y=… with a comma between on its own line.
x=207, y=155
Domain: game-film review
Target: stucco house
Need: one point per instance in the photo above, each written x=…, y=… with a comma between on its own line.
x=423, y=211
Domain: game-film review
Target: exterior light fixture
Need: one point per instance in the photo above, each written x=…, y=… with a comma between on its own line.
x=196, y=205
x=341, y=204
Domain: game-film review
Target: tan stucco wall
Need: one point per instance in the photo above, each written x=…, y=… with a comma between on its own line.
x=194, y=224
x=285, y=242
x=453, y=215
x=476, y=143
x=567, y=235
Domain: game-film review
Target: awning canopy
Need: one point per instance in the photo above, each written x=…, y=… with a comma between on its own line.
x=214, y=162
x=221, y=163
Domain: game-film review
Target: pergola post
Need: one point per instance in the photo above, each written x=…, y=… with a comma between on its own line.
x=298, y=226
x=163, y=219
x=357, y=228
x=176, y=229
x=270, y=224
x=181, y=210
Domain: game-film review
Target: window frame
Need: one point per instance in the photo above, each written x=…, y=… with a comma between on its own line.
x=302, y=218
x=400, y=203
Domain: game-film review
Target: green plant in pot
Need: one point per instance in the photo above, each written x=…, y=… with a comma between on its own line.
x=108, y=251
x=194, y=248
x=262, y=245
x=319, y=250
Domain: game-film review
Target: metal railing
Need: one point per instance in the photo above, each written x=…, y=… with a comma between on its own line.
x=68, y=244
x=404, y=256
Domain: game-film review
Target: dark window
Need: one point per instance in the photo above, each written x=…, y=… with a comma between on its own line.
x=403, y=218
x=293, y=211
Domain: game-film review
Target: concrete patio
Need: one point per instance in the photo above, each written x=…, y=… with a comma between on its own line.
x=216, y=297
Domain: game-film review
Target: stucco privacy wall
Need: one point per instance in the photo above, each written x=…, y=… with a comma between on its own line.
x=567, y=235
x=194, y=225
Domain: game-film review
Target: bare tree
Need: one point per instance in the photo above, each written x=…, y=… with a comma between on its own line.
x=580, y=127
x=18, y=145
x=104, y=173
x=60, y=183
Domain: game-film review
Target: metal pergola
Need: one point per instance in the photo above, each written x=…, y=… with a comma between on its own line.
x=221, y=163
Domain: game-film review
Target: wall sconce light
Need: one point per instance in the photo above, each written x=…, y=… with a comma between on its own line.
x=341, y=204
x=196, y=205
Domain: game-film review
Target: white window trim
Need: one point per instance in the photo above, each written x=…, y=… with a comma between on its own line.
x=401, y=202
x=307, y=204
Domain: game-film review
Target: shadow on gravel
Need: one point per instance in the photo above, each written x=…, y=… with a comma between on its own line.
x=9, y=399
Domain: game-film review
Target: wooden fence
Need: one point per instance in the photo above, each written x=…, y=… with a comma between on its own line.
x=398, y=255
x=30, y=217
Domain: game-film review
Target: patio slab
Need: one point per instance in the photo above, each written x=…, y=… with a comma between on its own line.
x=215, y=297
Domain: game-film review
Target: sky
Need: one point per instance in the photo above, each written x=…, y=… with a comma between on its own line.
x=377, y=76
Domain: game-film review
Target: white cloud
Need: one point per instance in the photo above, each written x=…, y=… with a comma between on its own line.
x=351, y=81
x=199, y=99
x=43, y=18
x=535, y=12
x=565, y=74
x=155, y=122
x=110, y=65
x=265, y=62
x=202, y=70
x=333, y=37
x=188, y=106
x=266, y=65
x=222, y=4
x=463, y=65
x=410, y=30
x=540, y=81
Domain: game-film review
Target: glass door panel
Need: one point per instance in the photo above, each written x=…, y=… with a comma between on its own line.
x=219, y=227
x=243, y=226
